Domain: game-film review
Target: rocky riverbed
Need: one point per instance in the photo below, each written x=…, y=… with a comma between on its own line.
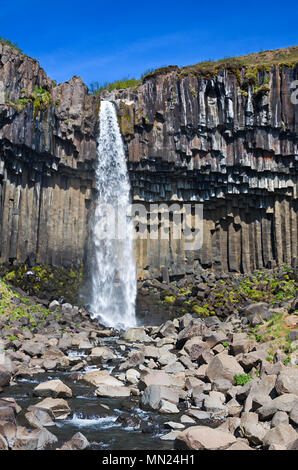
x=188, y=380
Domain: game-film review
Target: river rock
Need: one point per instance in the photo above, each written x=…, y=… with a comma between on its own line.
x=204, y=438
x=58, y=407
x=153, y=395
x=135, y=334
x=53, y=388
x=154, y=378
x=8, y=430
x=132, y=376
x=77, y=442
x=101, y=354
x=39, y=418
x=167, y=407
x=100, y=377
x=112, y=391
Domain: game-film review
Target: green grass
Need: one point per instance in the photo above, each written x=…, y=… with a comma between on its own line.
x=96, y=88
x=241, y=379
x=7, y=42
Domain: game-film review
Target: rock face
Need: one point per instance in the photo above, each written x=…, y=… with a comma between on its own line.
x=188, y=137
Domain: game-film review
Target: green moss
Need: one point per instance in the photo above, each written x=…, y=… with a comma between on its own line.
x=170, y=299
x=241, y=379
x=46, y=281
x=202, y=311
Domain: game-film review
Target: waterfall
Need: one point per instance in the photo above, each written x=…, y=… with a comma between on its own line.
x=113, y=265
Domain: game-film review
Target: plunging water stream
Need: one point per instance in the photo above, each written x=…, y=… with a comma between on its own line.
x=113, y=270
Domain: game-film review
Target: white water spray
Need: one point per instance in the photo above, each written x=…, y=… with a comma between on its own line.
x=113, y=271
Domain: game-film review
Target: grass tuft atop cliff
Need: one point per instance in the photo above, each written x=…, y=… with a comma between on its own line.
x=7, y=42
x=287, y=56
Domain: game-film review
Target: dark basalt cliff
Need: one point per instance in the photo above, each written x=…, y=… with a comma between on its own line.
x=228, y=140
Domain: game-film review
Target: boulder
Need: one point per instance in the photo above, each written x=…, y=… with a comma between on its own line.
x=77, y=442
x=8, y=430
x=112, y=391
x=134, y=359
x=33, y=348
x=239, y=445
x=135, y=335
x=57, y=407
x=153, y=395
x=154, y=378
x=223, y=366
x=194, y=347
x=38, y=418
x=294, y=415
x=287, y=381
x=132, y=376
x=284, y=402
x=204, y=438
x=283, y=434
x=52, y=388
x=100, y=377
x=280, y=417
x=101, y=354
x=5, y=376
x=166, y=407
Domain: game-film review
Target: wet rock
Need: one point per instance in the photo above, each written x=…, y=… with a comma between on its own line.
x=101, y=354
x=57, y=407
x=173, y=425
x=8, y=430
x=37, y=439
x=204, y=438
x=3, y=443
x=77, y=442
x=167, y=407
x=7, y=413
x=38, y=418
x=171, y=436
x=132, y=376
x=112, y=391
x=52, y=388
x=100, y=377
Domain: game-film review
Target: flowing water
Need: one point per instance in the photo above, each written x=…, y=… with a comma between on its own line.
x=113, y=271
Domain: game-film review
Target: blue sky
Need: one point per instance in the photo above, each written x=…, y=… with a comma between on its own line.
x=104, y=41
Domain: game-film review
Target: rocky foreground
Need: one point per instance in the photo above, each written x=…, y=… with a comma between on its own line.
x=209, y=383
